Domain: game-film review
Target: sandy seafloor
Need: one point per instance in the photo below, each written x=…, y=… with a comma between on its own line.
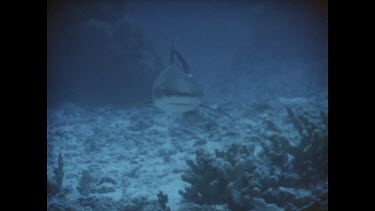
x=140, y=150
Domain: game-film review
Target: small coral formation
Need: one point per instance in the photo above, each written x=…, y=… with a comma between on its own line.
x=54, y=185
x=269, y=173
x=84, y=186
x=89, y=184
x=163, y=200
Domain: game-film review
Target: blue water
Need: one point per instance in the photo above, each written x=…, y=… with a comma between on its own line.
x=264, y=63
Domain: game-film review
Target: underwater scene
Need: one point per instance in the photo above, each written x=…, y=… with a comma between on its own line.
x=174, y=105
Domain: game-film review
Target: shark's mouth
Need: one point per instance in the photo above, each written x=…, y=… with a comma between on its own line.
x=169, y=93
x=177, y=104
x=181, y=104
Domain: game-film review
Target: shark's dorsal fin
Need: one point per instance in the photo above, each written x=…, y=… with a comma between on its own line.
x=176, y=58
x=172, y=53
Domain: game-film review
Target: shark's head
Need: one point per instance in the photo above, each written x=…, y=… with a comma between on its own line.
x=174, y=89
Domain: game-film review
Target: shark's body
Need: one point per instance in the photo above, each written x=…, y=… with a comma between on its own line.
x=174, y=90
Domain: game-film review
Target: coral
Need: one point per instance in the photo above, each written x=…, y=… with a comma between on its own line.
x=295, y=121
x=311, y=154
x=89, y=184
x=54, y=185
x=269, y=173
x=271, y=126
x=214, y=179
x=85, y=183
x=208, y=185
x=163, y=200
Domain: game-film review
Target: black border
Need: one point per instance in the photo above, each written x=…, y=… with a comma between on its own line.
x=27, y=103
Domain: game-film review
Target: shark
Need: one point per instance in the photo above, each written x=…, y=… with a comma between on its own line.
x=174, y=89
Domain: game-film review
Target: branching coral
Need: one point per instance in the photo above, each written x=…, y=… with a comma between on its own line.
x=221, y=179
x=267, y=173
x=311, y=154
x=207, y=180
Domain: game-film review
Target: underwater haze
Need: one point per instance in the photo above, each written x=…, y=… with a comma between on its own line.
x=187, y=105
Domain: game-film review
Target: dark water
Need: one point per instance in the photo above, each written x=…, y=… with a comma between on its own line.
x=265, y=63
x=109, y=52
